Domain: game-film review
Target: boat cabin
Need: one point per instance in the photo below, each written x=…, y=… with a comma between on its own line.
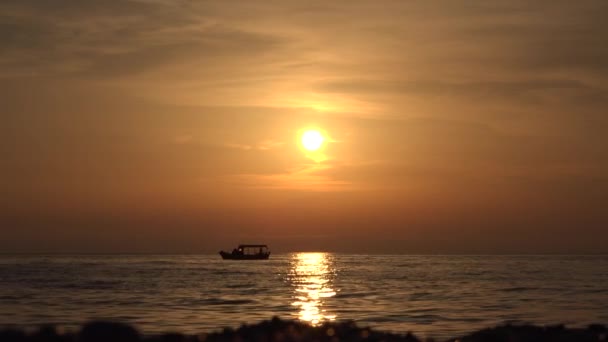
x=251, y=249
x=247, y=252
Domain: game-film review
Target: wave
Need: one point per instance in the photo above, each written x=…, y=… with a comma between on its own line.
x=221, y=301
x=342, y=295
x=517, y=289
x=92, y=285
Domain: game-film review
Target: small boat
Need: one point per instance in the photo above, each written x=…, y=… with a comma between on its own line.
x=247, y=252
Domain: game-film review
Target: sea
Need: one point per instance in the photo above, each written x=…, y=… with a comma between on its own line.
x=431, y=296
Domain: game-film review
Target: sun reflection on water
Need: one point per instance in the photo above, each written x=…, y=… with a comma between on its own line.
x=311, y=275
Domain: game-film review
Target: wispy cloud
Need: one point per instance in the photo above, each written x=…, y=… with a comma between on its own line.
x=261, y=146
x=305, y=178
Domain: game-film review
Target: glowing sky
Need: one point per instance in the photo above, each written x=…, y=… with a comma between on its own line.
x=175, y=126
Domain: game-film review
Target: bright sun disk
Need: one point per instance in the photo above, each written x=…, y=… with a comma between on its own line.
x=312, y=140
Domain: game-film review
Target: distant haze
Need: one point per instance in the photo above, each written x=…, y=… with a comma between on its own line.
x=173, y=126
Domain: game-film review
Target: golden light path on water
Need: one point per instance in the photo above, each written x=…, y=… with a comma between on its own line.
x=311, y=275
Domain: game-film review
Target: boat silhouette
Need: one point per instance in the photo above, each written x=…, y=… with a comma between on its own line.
x=247, y=252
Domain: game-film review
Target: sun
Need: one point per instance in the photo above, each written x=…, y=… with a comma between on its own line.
x=312, y=140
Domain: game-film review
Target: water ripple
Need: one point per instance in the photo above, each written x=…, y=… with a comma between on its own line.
x=193, y=293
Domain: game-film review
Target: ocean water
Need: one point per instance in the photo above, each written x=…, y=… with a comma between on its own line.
x=436, y=296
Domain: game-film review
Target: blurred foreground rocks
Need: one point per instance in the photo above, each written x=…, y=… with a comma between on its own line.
x=277, y=330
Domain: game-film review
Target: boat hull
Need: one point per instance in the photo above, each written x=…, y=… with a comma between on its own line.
x=230, y=256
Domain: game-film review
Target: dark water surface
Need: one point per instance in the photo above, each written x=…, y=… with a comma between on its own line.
x=430, y=295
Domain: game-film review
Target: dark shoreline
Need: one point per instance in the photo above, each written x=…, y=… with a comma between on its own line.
x=287, y=331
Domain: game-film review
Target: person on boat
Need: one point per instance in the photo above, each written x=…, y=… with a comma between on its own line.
x=260, y=251
x=234, y=252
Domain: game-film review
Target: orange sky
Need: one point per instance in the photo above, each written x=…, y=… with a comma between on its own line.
x=173, y=126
